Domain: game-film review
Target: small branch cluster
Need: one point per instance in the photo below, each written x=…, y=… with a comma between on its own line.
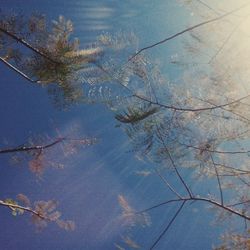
x=41, y=212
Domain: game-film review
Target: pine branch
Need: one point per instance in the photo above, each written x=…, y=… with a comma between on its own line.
x=135, y=115
x=27, y=209
x=42, y=147
x=29, y=148
x=28, y=45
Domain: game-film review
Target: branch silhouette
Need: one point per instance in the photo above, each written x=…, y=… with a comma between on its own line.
x=189, y=29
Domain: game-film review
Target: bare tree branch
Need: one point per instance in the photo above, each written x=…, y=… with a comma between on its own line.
x=171, y=107
x=206, y=200
x=218, y=179
x=173, y=164
x=42, y=147
x=168, y=226
x=19, y=72
x=214, y=106
x=189, y=29
x=227, y=39
x=209, y=7
x=167, y=183
x=215, y=151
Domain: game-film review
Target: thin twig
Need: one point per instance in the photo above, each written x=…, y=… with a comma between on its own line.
x=188, y=29
x=159, y=205
x=215, y=151
x=208, y=6
x=19, y=72
x=29, y=148
x=228, y=110
x=226, y=41
x=173, y=164
x=174, y=108
x=168, y=226
x=210, y=201
x=244, y=181
x=233, y=169
x=215, y=106
x=167, y=183
x=218, y=180
x=238, y=203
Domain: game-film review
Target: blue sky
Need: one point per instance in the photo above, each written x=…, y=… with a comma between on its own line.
x=88, y=187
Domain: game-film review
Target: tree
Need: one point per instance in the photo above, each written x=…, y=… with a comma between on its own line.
x=40, y=157
x=45, y=54
x=196, y=124
x=200, y=123
x=42, y=212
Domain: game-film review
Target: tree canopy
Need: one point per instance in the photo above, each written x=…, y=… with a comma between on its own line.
x=192, y=129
